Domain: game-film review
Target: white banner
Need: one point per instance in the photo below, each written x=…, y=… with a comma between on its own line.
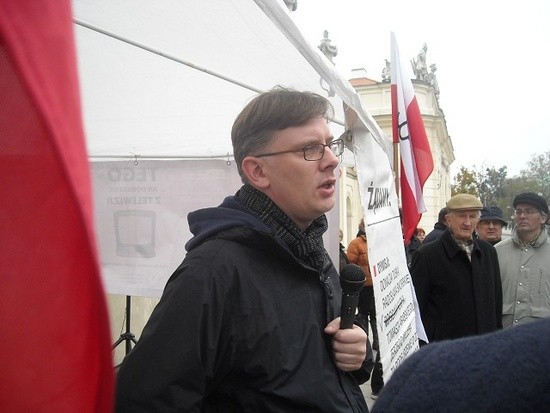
x=396, y=311
x=141, y=216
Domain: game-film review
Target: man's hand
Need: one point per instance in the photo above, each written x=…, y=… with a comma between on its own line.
x=349, y=346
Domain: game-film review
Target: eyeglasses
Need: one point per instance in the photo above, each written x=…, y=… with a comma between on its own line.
x=314, y=151
x=527, y=211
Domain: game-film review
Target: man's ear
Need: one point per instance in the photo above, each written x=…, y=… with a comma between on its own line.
x=253, y=169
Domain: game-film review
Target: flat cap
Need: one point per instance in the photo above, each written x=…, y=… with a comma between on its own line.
x=464, y=201
x=492, y=213
x=531, y=198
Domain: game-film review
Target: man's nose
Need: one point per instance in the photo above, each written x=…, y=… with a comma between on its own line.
x=330, y=158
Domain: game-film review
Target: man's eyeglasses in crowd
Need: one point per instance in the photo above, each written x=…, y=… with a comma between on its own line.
x=527, y=211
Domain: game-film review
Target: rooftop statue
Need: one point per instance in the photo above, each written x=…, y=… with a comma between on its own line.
x=386, y=72
x=291, y=4
x=432, y=80
x=329, y=50
x=420, y=68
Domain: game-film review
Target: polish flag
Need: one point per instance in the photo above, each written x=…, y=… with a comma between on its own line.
x=55, y=342
x=409, y=132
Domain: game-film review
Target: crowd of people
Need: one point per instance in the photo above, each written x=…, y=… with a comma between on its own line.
x=485, y=304
x=250, y=319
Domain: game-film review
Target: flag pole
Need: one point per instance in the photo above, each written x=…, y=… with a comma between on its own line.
x=396, y=168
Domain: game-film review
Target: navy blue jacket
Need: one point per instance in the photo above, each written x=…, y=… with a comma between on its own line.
x=239, y=328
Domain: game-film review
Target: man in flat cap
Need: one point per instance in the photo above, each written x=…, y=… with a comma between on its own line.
x=457, y=277
x=491, y=222
x=525, y=263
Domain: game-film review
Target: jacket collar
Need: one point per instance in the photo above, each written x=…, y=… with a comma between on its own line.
x=543, y=236
x=451, y=247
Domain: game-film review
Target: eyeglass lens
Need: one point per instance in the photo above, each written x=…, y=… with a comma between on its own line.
x=526, y=211
x=316, y=152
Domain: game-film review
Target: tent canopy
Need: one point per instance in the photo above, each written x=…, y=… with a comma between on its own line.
x=167, y=79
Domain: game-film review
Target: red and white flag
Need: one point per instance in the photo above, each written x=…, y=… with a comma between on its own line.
x=409, y=132
x=55, y=341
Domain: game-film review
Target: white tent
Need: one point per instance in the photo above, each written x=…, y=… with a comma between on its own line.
x=165, y=79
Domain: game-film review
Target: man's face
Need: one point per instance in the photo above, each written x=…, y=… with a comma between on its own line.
x=490, y=230
x=529, y=220
x=462, y=223
x=304, y=190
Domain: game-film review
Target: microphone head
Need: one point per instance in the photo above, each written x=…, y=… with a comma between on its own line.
x=352, y=278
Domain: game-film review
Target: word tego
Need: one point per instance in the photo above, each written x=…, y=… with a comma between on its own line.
x=132, y=174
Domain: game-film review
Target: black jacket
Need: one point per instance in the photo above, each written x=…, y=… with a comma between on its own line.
x=239, y=328
x=435, y=233
x=410, y=249
x=457, y=298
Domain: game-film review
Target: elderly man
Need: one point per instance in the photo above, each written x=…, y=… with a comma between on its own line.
x=249, y=321
x=525, y=263
x=491, y=222
x=457, y=278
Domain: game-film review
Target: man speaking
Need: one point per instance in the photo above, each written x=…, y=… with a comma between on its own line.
x=249, y=321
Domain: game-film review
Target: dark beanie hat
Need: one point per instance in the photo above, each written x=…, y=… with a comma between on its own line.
x=531, y=198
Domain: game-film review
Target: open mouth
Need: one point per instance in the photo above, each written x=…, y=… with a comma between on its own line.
x=328, y=184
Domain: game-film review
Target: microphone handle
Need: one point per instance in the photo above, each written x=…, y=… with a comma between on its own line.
x=348, y=309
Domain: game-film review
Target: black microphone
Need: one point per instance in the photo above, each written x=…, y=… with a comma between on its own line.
x=352, y=279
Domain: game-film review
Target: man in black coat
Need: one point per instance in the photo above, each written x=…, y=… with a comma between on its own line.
x=457, y=277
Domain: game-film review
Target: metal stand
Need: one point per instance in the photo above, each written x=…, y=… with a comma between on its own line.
x=127, y=336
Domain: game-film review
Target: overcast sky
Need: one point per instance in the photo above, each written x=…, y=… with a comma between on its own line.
x=492, y=62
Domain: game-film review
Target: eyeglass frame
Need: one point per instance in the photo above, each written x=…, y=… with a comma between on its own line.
x=525, y=211
x=338, y=142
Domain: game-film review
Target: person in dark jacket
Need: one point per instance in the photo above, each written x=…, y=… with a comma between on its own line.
x=504, y=371
x=439, y=227
x=457, y=277
x=414, y=244
x=249, y=321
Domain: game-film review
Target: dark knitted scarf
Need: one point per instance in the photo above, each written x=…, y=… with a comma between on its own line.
x=306, y=245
